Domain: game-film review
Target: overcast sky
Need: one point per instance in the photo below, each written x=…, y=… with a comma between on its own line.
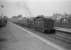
x=36, y=7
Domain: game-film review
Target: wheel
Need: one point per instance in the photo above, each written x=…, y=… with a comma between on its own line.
x=52, y=31
x=47, y=31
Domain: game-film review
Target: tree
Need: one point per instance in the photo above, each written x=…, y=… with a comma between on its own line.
x=19, y=16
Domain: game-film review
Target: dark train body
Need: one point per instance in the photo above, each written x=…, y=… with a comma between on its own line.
x=3, y=21
x=39, y=23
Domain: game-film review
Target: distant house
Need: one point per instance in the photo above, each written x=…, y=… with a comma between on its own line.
x=57, y=16
x=64, y=21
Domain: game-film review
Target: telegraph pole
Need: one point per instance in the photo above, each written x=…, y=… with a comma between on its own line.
x=27, y=9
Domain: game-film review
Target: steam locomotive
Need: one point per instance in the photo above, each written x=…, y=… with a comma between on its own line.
x=44, y=24
x=39, y=23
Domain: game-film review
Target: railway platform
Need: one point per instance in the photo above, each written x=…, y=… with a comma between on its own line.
x=63, y=29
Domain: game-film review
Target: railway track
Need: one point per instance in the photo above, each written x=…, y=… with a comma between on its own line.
x=61, y=37
x=63, y=34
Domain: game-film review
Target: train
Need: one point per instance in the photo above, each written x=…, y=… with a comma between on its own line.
x=3, y=21
x=44, y=24
x=41, y=24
